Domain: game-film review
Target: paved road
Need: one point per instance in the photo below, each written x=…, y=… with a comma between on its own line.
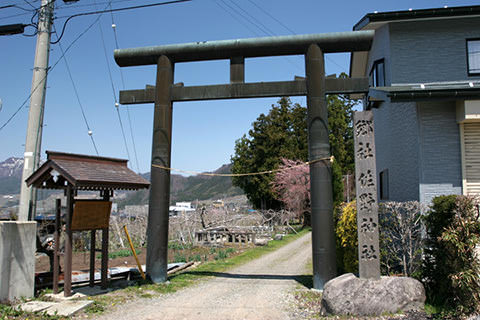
x=257, y=290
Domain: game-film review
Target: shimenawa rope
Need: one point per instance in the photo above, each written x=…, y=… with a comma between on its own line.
x=242, y=174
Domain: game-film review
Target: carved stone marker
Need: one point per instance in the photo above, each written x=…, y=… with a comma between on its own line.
x=367, y=205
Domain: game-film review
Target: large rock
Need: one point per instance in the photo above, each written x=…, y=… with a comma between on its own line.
x=348, y=294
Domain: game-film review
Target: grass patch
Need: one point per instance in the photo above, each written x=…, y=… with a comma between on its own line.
x=120, y=253
x=9, y=312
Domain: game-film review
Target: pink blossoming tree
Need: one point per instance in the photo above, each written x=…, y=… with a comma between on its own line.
x=291, y=185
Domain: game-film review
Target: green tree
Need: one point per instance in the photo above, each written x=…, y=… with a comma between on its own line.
x=340, y=124
x=282, y=133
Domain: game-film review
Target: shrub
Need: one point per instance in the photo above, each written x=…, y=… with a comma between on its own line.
x=460, y=239
x=196, y=257
x=347, y=239
x=400, y=237
x=434, y=270
x=179, y=257
x=451, y=270
x=221, y=255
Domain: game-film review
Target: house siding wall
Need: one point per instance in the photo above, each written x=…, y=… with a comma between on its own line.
x=440, y=157
x=396, y=131
x=396, y=143
x=427, y=51
x=381, y=50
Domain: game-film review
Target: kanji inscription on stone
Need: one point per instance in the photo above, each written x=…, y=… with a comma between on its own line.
x=366, y=187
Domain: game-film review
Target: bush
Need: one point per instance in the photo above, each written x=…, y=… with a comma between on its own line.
x=221, y=255
x=179, y=257
x=434, y=270
x=346, y=238
x=196, y=257
x=451, y=270
x=400, y=237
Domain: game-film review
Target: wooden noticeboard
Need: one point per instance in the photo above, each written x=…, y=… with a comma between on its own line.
x=91, y=215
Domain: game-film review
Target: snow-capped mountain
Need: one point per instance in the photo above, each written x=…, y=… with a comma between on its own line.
x=12, y=167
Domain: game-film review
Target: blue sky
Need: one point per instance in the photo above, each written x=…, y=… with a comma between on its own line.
x=204, y=133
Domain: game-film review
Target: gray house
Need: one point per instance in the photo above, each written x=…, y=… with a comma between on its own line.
x=424, y=69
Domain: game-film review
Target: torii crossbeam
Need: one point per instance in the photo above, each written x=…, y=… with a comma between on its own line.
x=315, y=86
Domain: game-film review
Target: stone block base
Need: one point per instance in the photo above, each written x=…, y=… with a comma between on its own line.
x=17, y=259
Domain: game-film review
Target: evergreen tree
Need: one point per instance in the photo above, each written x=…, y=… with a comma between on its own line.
x=282, y=133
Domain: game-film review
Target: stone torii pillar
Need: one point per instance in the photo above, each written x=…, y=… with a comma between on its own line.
x=323, y=238
x=160, y=190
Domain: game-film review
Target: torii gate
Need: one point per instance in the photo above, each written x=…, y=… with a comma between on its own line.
x=315, y=87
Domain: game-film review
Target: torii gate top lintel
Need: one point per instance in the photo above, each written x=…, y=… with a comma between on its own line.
x=237, y=51
x=247, y=48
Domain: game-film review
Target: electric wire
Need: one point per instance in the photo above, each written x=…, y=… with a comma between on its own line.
x=50, y=69
x=73, y=6
x=113, y=89
x=123, y=87
x=238, y=20
x=77, y=95
x=271, y=16
x=31, y=5
x=267, y=30
x=244, y=17
x=114, y=10
x=290, y=30
x=252, y=21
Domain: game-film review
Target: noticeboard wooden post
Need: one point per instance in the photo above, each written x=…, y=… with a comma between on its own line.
x=91, y=215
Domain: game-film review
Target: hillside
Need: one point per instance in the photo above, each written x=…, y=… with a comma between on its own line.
x=190, y=188
x=10, y=175
x=181, y=188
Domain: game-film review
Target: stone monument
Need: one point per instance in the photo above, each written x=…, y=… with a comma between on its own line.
x=367, y=205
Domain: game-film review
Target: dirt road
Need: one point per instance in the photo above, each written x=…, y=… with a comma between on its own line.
x=256, y=290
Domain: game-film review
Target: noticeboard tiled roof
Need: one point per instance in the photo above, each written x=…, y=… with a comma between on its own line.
x=85, y=172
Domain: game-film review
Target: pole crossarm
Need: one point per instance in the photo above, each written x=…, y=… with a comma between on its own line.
x=246, y=48
x=245, y=90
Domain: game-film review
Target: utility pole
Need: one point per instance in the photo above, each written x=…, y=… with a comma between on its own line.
x=37, y=104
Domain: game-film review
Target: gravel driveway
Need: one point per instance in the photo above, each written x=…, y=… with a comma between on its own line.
x=256, y=290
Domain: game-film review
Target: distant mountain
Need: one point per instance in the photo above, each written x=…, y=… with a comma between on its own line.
x=12, y=167
x=181, y=188
x=10, y=175
x=191, y=188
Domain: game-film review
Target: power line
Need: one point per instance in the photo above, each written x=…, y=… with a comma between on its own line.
x=244, y=17
x=114, y=27
x=90, y=133
x=113, y=88
x=268, y=31
x=115, y=10
x=255, y=22
x=271, y=16
x=69, y=6
x=31, y=5
x=236, y=18
x=287, y=28
x=50, y=70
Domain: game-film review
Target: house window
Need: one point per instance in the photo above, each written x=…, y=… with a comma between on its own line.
x=383, y=185
x=377, y=74
x=473, y=57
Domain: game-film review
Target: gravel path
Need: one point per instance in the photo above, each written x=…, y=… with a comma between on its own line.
x=256, y=290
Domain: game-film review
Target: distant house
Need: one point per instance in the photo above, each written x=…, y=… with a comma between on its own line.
x=424, y=69
x=180, y=207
